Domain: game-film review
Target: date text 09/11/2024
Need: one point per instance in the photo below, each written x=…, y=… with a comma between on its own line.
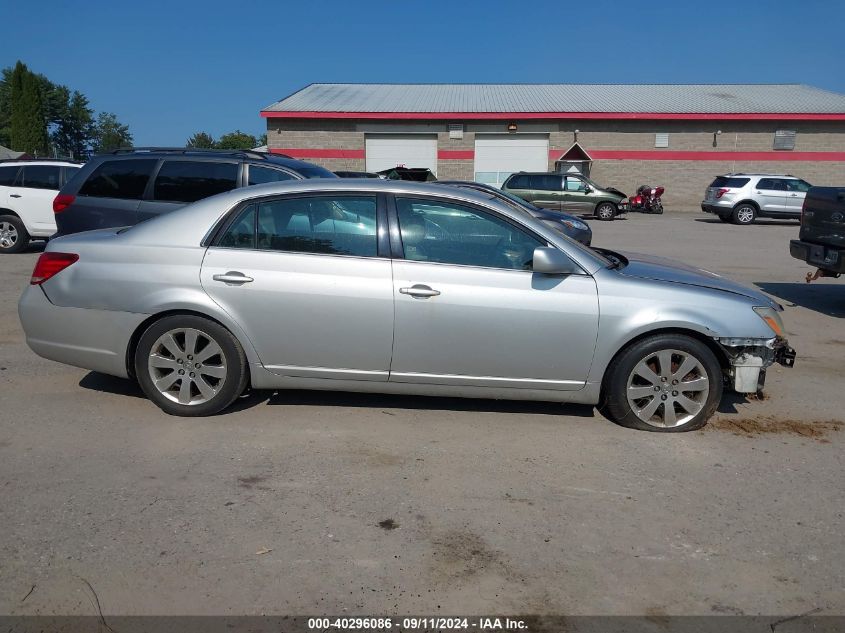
x=417, y=624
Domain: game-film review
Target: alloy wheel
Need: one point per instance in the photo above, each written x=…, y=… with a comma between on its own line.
x=667, y=388
x=8, y=235
x=187, y=366
x=605, y=212
x=745, y=215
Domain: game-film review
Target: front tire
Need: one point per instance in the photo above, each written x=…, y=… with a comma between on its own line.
x=605, y=211
x=744, y=214
x=666, y=383
x=13, y=235
x=190, y=366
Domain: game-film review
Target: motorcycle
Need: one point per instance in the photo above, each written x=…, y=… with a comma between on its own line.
x=647, y=200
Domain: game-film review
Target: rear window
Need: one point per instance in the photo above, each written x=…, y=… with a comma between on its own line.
x=41, y=177
x=728, y=182
x=188, y=181
x=315, y=171
x=125, y=179
x=261, y=175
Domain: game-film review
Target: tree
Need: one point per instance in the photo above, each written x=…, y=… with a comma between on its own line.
x=75, y=127
x=110, y=134
x=236, y=140
x=201, y=140
x=262, y=140
x=28, y=124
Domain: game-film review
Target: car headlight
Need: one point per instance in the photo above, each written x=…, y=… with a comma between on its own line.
x=772, y=319
x=575, y=225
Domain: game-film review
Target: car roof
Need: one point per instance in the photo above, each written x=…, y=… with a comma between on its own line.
x=740, y=174
x=5, y=162
x=190, y=153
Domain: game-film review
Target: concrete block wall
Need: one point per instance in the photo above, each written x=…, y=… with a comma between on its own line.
x=685, y=180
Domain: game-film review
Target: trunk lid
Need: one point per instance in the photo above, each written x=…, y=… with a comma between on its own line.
x=823, y=217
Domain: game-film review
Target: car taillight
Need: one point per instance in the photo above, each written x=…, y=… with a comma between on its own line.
x=62, y=202
x=50, y=264
x=721, y=192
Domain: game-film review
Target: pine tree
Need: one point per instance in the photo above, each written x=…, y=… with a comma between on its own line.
x=28, y=124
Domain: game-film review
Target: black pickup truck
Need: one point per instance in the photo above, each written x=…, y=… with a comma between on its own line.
x=821, y=241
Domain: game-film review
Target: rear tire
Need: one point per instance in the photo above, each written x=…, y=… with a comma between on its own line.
x=744, y=214
x=13, y=235
x=190, y=366
x=666, y=383
x=605, y=211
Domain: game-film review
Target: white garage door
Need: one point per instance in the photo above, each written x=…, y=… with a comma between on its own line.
x=384, y=151
x=497, y=156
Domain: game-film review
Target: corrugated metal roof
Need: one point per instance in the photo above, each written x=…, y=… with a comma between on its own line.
x=656, y=98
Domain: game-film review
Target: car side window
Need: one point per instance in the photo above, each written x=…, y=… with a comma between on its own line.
x=574, y=184
x=189, y=181
x=800, y=186
x=125, y=179
x=547, y=182
x=449, y=233
x=330, y=225
x=241, y=234
x=41, y=177
x=260, y=175
x=8, y=174
x=772, y=184
x=519, y=182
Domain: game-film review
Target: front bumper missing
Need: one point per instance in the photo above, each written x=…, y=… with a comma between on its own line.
x=749, y=358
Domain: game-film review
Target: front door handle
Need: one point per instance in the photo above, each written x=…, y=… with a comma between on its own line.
x=233, y=277
x=14, y=195
x=794, y=195
x=419, y=290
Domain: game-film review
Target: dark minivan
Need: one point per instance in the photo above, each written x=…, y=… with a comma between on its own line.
x=129, y=186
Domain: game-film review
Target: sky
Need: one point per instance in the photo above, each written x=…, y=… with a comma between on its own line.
x=169, y=69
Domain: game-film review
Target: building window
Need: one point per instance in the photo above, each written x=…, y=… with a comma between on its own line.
x=784, y=139
x=661, y=139
x=456, y=130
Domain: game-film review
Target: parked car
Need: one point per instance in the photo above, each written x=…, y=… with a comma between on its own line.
x=567, y=224
x=742, y=198
x=394, y=287
x=573, y=193
x=821, y=240
x=414, y=174
x=27, y=189
x=126, y=187
x=356, y=174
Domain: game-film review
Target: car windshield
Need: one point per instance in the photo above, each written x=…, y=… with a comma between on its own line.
x=315, y=171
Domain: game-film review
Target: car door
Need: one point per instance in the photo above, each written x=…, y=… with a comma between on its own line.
x=470, y=312
x=796, y=192
x=35, y=189
x=179, y=182
x=576, y=197
x=770, y=194
x=308, y=280
x=548, y=191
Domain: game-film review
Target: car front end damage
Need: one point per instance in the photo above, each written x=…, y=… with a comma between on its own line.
x=748, y=359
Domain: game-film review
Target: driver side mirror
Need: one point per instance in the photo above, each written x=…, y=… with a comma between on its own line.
x=551, y=261
x=587, y=188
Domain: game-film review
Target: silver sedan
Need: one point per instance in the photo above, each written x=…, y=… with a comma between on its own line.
x=394, y=287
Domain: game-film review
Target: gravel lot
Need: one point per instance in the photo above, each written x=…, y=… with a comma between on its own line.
x=312, y=503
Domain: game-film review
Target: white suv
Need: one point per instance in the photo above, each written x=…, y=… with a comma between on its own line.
x=741, y=198
x=27, y=190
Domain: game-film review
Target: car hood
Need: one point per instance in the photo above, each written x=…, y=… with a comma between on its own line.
x=662, y=269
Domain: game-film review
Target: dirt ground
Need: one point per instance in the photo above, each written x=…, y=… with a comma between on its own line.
x=316, y=503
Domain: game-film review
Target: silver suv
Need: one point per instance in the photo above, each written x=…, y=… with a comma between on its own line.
x=741, y=198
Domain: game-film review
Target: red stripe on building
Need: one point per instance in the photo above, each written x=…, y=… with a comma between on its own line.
x=303, y=152
x=604, y=154
x=455, y=154
x=505, y=116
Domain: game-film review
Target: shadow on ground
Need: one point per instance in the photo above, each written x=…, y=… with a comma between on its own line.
x=826, y=298
x=297, y=398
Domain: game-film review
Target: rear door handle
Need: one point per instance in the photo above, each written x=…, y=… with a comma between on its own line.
x=419, y=290
x=233, y=277
x=14, y=195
